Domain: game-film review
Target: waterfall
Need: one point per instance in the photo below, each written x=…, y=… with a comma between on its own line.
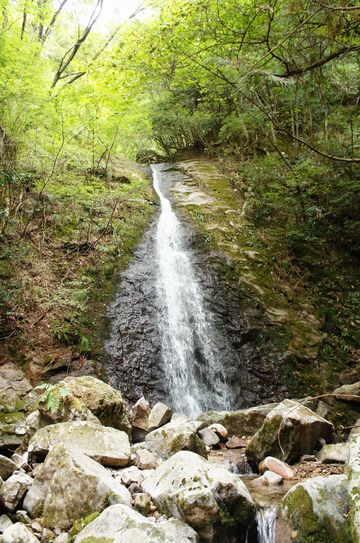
x=266, y=524
x=192, y=364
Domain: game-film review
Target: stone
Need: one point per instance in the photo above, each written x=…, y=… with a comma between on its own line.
x=236, y=442
x=142, y=503
x=13, y=490
x=14, y=389
x=209, y=437
x=336, y=453
x=23, y=517
x=316, y=509
x=241, y=422
x=348, y=393
x=289, y=431
x=269, y=478
x=7, y=467
x=130, y=475
x=174, y=437
x=107, y=445
x=160, y=414
x=120, y=524
x=104, y=402
x=276, y=466
x=18, y=533
x=353, y=466
x=220, y=430
x=5, y=523
x=146, y=459
x=139, y=414
x=207, y=497
x=70, y=487
x=135, y=488
x=62, y=538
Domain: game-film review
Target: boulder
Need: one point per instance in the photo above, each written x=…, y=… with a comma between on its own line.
x=353, y=464
x=276, y=466
x=7, y=467
x=176, y=436
x=143, y=503
x=130, y=475
x=316, y=510
x=243, y=422
x=71, y=486
x=146, y=460
x=5, y=523
x=108, y=446
x=160, y=414
x=210, y=438
x=220, y=430
x=13, y=490
x=207, y=497
x=235, y=442
x=139, y=414
x=336, y=453
x=348, y=393
x=14, y=389
x=120, y=524
x=88, y=393
x=18, y=533
x=269, y=478
x=289, y=431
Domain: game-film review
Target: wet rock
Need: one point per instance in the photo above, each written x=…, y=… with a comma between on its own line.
x=89, y=393
x=316, y=510
x=336, y=453
x=7, y=467
x=108, y=446
x=210, y=438
x=207, y=497
x=241, y=422
x=18, y=533
x=289, y=431
x=146, y=459
x=236, y=442
x=13, y=490
x=220, y=430
x=269, y=478
x=5, y=523
x=353, y=465
x=71, y=486
x=176, y=436
x=160, y=414
x=120, y=524
x=276, y=466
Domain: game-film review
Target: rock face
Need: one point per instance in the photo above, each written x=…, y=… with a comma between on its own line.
x=120, y=524
x=354, y=485
x=104, y=402
x=317, y=509
x=208, y=498
x=289, y=431
x=14, y=489
x=71, y=486
x=176, y=436
x=108, y=446
x=241, y=422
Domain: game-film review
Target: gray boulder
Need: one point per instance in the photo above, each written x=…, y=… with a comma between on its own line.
x=120, y=524
x=7, y=467
x=71, y=486
x=317, y=508
x=289, y=431
x=176, y=436
x=207, y=497
x=159, y=415
x=18, y=533
x=77, y=393
x=5, y=523
x=13, y=490
x=146, y=460
x=209, y=437
x=108, y=446
x=353, y=464
x=336, y=453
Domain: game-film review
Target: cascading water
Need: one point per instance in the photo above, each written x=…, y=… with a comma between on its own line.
x=192, y=365
x=266, y=524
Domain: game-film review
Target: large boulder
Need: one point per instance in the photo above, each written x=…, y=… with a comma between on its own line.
x=354, y=486
x=108, y=446
x=335, y=453
x=316, y=510
x=159, y=415
x=18, y=533
x=289, y=431
x=243, y=422
x=13, y=490
x=120, y=524
x=7, y=467
x=207, y=497
x=87, y=393
x=71, y=486
x=176, y=436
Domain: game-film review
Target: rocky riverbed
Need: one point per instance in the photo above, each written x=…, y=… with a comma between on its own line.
x=78, y=464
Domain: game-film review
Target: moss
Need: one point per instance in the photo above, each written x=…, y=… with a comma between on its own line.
x=81, y=523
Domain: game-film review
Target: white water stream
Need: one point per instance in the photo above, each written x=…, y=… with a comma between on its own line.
x=192, y=365
x=266, y=524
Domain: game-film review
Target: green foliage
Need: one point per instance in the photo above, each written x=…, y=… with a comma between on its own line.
x=53, y=396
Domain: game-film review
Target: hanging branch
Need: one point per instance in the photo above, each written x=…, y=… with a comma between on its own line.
x=48, y=30
x=71, y=53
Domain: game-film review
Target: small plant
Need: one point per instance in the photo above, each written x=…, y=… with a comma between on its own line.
x=53, y=396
